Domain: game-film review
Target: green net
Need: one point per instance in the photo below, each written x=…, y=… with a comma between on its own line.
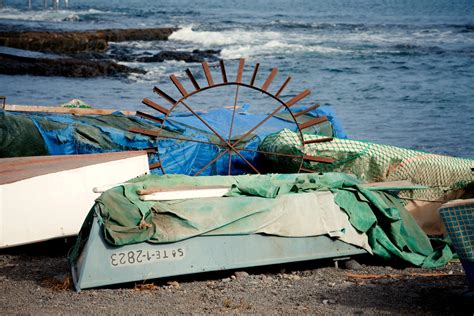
x=374, y=163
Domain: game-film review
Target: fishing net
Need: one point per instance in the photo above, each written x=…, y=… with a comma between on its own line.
x=375, y=163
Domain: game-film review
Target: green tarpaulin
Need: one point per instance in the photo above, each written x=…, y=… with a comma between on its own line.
x=392, y=232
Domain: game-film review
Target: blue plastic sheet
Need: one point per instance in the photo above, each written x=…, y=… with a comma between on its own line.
x=95, y=134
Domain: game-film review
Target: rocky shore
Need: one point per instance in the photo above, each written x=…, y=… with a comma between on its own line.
x=85, y=53
x=35, y=280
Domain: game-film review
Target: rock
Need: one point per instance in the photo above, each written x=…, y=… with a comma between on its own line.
x=195, y=56
x=67, y=67
x=352, y=265
x=241, y=274
x=329, y=301
x=226, y=280
x=173, y=284
x=85, y=41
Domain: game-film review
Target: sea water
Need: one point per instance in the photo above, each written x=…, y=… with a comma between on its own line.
x=395, y=72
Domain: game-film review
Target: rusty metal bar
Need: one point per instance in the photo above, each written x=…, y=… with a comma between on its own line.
x=319, y=140
x=271, y=153
x=193, y=80
x=178, y=85
x=155, y=165
x=144, y=132
x=191, y=140
x=240, y=70
x=150, y=150
x=149, y=117
x=232, y=125
x=224, y=74
x=297, y=98
x=207, y=72
x=270, y=78
x=156, y=106
x=254, y=75
x=283, y=86
x=164, y=95
x=318, y=159
x=313, y=122
x=218, y=135
x=314, y=107
x=307, y=170
x=211, y=162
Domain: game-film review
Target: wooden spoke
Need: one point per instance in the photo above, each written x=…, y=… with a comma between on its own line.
x=145, y=132
x=232, y=124
x=319, y=140
x=193, y=80
x=178, y=85
x=155, y=165
x=318, y=159
x=254, y=75
x=240, y=70
x=207, y=73
x=311, y=108
x=211, y=162
x=278, y=109
x=297, y=98
x=156, y=106
x=150, y=150
x=270, y=78
x=164, y=95
x=313, y=122
x=271, y=153
x=149, y=117
x=224, y=74
x=283, y=86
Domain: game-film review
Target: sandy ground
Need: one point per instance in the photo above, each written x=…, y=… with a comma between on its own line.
x=35, y=280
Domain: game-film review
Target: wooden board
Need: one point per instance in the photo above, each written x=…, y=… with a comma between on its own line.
x=62, y=110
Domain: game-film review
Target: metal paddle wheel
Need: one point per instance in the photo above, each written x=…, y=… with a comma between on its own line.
x=230, y=140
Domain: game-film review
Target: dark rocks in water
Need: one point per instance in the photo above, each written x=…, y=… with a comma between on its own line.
x=67, y=67
x=72, y=42
x=190, y=57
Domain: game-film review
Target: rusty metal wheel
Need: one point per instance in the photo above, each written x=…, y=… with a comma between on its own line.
x=227, y=146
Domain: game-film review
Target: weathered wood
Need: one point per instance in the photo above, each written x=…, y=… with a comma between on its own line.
x=270, y=78
x=156, y=106
x=313, y=122
x=207, y=73
x=240, y=70
x=62, y=110
x=314, y=107
x=178, y=85
x=297, y=98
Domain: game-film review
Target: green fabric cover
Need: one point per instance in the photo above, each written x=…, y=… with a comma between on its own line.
x=393, y=233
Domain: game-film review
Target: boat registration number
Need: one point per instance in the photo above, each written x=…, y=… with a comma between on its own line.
x=140, y=256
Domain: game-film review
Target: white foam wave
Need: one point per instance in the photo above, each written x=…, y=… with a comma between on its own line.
x=230, y=37
x=46, y=15
x=274, y=47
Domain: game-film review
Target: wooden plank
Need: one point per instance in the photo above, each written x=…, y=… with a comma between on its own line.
x=178, y=85
x=156, y=106
x=318, y=159
x=184, y=194
x=193, y=80
x=254, y=75
x=155, y=165
x=297, y=98
x=207, y=73
x=144, y=132
x=240, y=70
x=149, y=117
x=164, y=95
x=311, y=108
x=62, y=110
x=270, y=78
x=224, y=74
x=283, y=86
x=178, y=188
x=313, y=122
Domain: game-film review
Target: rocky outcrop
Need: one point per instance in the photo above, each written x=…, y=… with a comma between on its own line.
x=73, y=42
x=67, y=67
x=196, y=56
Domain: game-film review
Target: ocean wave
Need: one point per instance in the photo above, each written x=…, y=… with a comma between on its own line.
x=48, y=15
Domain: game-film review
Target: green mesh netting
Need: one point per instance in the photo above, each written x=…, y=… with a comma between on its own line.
x=375, y=163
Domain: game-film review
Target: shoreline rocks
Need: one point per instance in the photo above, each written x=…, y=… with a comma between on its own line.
x=83, y=41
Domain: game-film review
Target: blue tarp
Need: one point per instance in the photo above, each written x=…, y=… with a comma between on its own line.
x=67, y=134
